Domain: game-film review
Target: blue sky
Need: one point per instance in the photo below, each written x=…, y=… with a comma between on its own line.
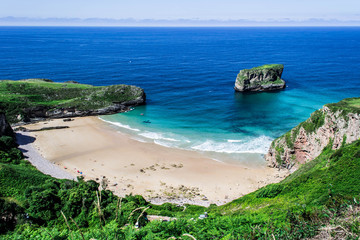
x=223, y=10
x=189, y=9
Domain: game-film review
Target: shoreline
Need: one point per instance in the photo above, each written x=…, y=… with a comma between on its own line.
x=92, y=148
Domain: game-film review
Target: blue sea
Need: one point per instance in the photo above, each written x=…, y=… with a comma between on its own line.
x=188, y=75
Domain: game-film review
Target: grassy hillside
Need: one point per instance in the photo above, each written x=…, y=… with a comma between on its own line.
x=320, y=200
x=18, y=96
x=322, y=194
x=329, y=180
x=348, y=105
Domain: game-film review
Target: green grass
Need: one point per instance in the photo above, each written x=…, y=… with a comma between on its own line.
x=328, y=181
x=316, y=120
x=277, y=81
x=346, y=106
x=17, y=96
x=15, y=179
x=268, y=66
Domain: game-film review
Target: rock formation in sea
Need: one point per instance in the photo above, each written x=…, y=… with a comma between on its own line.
x=263, y=78
x=334, y=125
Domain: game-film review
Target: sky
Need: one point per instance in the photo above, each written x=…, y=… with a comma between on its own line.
x=259, y=10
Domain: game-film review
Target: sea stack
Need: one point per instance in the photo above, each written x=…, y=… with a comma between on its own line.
x=263, y=78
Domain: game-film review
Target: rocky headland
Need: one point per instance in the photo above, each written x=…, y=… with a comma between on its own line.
x=262, y=78
x=37, y=99
x=335, y=125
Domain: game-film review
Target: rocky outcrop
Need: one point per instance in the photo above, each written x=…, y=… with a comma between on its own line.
x=39, y=99
x=43, y=112
x=333, y=125
x=5, y=128
x=263, y=78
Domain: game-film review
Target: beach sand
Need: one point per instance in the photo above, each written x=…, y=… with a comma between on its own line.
x=160, y=174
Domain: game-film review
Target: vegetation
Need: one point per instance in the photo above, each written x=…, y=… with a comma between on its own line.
x=268, y=66
x=274, y=77
x=346, y=106
x=17, y=97
x=317, y=120
x=277, y=81
x=320, y=199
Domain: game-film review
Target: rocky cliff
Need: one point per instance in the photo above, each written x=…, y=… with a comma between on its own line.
x=334, y=124
x=112, y=107
x=34, y=99
x=263, y=78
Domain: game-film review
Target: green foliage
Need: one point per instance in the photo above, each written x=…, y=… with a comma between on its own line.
x=289, y=140
x=333, y=176
x=15, y=179
x=277, y=81
x=271, y=191
x=18, y=96
x=7, y=142
x=344, y=140
x=9, y=153
x=42, y=202
x=316, y=120
x=268, y=66
x=346, y=106
x=9, y=214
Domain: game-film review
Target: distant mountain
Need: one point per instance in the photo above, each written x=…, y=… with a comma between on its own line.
x=24, y=21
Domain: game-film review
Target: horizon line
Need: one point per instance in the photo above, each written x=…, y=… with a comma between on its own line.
x=188, y=26
x=181, y=22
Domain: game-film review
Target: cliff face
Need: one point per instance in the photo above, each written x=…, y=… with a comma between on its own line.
x=334, y=124
x=263, y=78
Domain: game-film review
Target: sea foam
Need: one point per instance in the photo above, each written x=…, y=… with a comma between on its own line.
x=121, y=125
x=257, y=145
x=157, y=136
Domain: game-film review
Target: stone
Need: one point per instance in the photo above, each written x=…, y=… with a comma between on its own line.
x=262, y=78
x=330, y=124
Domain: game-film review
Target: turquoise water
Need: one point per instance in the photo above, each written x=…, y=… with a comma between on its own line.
x=188, y=75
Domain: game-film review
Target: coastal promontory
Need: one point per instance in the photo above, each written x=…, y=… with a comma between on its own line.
x=262, y=78
x=332, y=126
x=36, y=99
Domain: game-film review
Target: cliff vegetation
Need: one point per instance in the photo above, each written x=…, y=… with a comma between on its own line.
x=338, y=123
x=24, y=100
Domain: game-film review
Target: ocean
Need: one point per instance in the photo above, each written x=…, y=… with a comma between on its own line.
x=188, y=75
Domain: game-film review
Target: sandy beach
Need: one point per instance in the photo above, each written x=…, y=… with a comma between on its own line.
x=95, y=150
